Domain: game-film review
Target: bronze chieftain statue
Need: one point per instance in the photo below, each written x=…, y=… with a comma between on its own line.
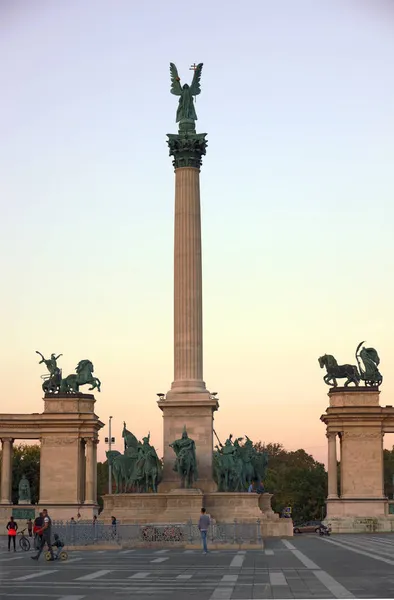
x=237, y=465
x=54, y=382
x=186, y=460
x=139, y=468
x=369, y=373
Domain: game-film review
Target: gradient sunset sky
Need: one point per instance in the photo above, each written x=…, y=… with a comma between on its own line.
x=297, y=202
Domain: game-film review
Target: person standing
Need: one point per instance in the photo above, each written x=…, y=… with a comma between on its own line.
x=30, y=527
x=203, y=525
x=113, y=525
x=46, y=536
x=12, y=527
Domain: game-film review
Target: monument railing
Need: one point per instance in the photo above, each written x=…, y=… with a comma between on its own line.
x=84, y=533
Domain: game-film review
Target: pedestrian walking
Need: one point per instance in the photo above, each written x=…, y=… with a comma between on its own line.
x=29, y=524
x=37, y=527
x=12, y=528
x=203, y=525
x=46, y=536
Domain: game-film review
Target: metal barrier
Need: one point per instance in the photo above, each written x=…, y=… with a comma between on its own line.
x=85, y=533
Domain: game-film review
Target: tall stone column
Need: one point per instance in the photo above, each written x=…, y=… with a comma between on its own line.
x=6, y=471
x=187, y=149
x=90, y=472
x=332, y=465
x=188, y=403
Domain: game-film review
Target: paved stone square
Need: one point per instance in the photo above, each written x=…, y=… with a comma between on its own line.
x=342, y=566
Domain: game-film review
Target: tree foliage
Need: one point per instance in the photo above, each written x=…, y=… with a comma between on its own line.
x=297, y=480
x=102, y=482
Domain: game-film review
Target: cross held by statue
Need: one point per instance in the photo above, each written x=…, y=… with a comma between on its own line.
x=193, y=67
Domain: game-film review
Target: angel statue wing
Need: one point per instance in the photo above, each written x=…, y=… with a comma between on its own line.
x=176, y=87
x=195, y=88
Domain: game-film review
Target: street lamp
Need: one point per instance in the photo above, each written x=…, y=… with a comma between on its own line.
x=109, y=440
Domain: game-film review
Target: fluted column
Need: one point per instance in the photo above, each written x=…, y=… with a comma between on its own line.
x=332, y=466
x=95, y=443
x=6, y=471
x=188, y=363
x=187, y=147
x=90, y=470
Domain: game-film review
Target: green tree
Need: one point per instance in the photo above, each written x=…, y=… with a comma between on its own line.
x=388, y=470
x=26, y=461
x=295, y=479
x=102, y=482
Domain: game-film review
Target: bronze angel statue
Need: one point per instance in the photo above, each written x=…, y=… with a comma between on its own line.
x=186, y=110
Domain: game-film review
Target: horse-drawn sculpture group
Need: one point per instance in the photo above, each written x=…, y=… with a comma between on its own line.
x=54, y=382
x=367, y=372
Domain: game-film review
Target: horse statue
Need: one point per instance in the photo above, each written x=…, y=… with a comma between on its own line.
x=229, y=475
x=122, y=467
x=150, y=471
x=335, y=371
x=84, y=376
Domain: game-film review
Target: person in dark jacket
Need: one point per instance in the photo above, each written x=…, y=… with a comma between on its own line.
x=38, y=523
x=46, y=536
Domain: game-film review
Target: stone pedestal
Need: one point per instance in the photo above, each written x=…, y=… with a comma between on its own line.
x=63, y=462
x=356, y=417
x=181, y=506
x=196, y=413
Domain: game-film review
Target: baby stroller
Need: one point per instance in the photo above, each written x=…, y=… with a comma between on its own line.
x=61, y=554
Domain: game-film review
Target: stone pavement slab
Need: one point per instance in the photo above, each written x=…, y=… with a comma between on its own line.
x=348, y=566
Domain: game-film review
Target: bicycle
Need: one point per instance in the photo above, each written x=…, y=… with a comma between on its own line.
x=24, y=543
x=62, y=556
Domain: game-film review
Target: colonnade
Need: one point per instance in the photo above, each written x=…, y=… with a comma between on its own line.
x=87, y=471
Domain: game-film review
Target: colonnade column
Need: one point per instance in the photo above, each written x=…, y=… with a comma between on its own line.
x=332, y=465
x=6, y=471
x=90, y=471
x=95, y=442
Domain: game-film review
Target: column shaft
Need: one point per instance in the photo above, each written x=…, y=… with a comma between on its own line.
x=188, y=343
x=6, y=472
x=95, y=471
x=89, y=486
x=332, y=466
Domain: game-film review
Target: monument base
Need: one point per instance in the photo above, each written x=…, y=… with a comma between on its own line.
x=353, y=515
x=183, y=505
x=57, y=512
x=193, y=410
